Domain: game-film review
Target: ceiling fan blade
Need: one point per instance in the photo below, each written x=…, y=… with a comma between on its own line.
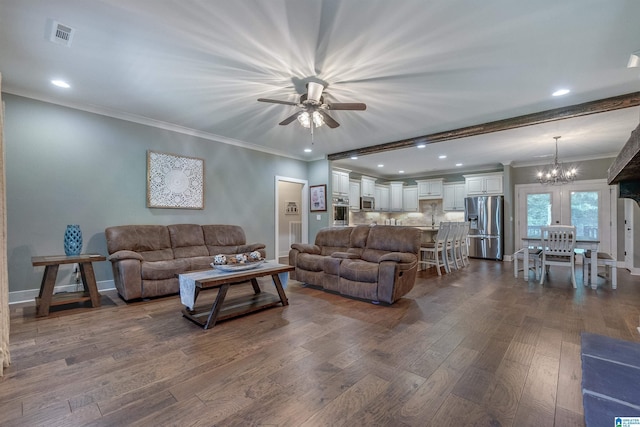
x=289, y=119
x=328, y=119
x=275, y=101
x=347, y=106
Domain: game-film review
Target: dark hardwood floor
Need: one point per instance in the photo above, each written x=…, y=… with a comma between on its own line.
x=475, y=347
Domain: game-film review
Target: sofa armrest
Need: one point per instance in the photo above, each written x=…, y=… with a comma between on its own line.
x=403, y=257
x=345, y=255
x=120, y=255
x=306, y=248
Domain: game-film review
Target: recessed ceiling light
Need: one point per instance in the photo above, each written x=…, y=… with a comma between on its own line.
x=380, y=165
x=60, y=83
x=307, y=150
x=634, y=60
x=560, y=92
x=400, y=171
x=354, y=157
x=458, y=164
x=442, y=156
x=421, y=145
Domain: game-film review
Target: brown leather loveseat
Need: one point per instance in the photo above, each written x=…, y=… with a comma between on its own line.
x=376, y=263
x=146, y=258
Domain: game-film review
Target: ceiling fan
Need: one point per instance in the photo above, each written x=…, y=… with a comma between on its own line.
x=314, y=109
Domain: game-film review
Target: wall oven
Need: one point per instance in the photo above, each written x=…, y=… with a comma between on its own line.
x=340, y=211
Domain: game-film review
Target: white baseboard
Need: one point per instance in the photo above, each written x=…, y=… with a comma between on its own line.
x=30, y=294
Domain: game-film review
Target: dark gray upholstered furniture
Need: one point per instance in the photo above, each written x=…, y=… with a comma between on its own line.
x=610, y=379
x=376, y=263
x=146, y=258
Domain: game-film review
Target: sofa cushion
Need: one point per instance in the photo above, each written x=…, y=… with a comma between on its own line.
x=187, y=240
x=358, y=270
x=223, y=235
x=152, y=242
x=159, y=270
x=383, y=239
x=310, y=262
x=333, y=239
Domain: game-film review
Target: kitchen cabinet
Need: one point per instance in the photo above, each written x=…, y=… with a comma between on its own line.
x=395, y=196
x=382, y=197
x=410, y=198
x=430, y=189
x=367, y=186
x=453, y=195
x=354, y=195
x=484, y=184
x=340, y=183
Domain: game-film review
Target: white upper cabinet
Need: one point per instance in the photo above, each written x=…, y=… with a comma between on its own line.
x=395, y=196
x=484, y=184
x=430, y=189
x=340, y=183
x=453, y=195
x=410, y=199
x=354, y=195
x=382, y=197
x=367, y=186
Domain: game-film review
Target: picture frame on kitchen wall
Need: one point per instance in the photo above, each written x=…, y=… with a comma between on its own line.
x=318, y=199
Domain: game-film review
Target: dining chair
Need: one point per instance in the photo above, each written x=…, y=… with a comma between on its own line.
x=436, y=251
x=558, y=245
x=603, y=260
x=535, y=262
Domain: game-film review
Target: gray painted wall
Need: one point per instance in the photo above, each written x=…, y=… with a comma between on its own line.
x=319, y=173
x=588, y=169
x=66, y=166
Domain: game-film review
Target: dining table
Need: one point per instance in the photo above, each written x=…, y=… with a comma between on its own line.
x=586, y=244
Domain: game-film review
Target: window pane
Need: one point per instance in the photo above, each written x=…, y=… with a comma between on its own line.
x=584, y=214
x=538, y=213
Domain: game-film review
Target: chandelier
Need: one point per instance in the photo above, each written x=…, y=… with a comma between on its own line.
x=556, y=173
x=305, y=119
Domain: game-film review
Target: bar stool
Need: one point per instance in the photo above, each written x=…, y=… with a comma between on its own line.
x=435, y=253
x=603, y=260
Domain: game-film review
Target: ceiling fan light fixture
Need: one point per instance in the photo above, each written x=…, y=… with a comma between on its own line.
x=305, y=118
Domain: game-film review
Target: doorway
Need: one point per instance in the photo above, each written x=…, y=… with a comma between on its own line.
x=588, y=205
x=291, y=216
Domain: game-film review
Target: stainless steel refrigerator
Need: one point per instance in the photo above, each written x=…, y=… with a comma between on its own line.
x=485, y=217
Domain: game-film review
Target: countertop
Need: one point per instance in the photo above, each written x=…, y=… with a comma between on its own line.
x=421, y=227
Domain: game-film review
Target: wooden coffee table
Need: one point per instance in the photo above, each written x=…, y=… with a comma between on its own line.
x=238, y=306
x=46, y=298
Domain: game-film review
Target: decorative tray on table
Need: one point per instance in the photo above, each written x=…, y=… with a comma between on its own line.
x=238, y=262
x=237, y=267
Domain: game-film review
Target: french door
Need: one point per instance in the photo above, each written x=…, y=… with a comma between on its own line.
x=588, y=205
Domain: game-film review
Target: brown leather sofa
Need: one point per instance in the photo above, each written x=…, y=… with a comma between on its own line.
x=376, y=263
x=146, y=258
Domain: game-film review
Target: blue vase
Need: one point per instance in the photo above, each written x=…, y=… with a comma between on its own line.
x=73, y=240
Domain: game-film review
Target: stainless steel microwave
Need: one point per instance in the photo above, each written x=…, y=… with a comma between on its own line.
x=367, y=203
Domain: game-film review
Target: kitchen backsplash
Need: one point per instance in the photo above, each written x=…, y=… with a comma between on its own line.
x=428, y=210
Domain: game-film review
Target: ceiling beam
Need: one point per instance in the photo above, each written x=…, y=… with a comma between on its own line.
x=572, y=111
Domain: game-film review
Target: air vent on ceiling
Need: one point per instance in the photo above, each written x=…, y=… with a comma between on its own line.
x=61, y=34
